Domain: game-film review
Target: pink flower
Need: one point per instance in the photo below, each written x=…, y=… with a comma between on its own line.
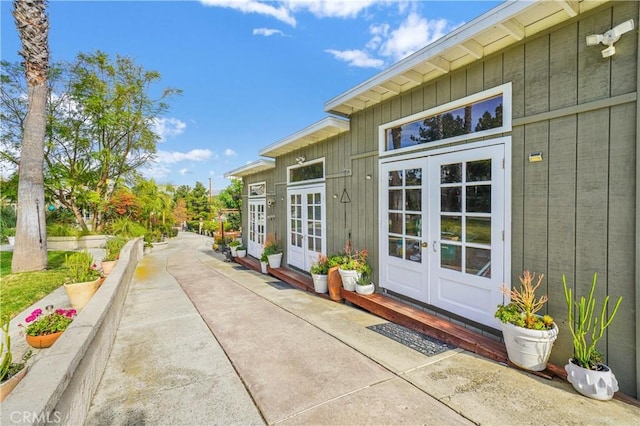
x=30, y=318
x=36, y=312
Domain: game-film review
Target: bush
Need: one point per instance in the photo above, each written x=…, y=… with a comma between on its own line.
x=61, y=230
x=113, y=247
x=126, y=228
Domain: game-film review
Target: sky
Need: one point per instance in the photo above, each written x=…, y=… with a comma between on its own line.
x=252, y=72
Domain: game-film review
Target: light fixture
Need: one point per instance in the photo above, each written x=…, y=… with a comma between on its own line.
x=300, y=159
x=369, y=176
x=535, y=157
x=270, y=202
x=610, y=37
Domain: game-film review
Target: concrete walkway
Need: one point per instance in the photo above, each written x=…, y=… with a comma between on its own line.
x=207, y=342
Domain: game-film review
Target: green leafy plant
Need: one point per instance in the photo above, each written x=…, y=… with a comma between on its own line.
x=235, y=243
x=8, y=368
x=320, y=266
x=355, y=260
x=364, y=279
x=521, y=311
x=272, y=246
x=80, y=267
x=241, y=247
x=49, y=322
x=113, y=248
x=264, y=257
x=586, y=329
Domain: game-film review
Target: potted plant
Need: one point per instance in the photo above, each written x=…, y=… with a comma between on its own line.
x=233, y=245
x=113, y=248
x=83, y=280
x=528, y=337
x=241, y=250
x=364, y=285
x=319, y=272
x=264, y=262
x=44, y=328
x=10, y=372
x=354, y=264
x=274, y=252
x=585, y=371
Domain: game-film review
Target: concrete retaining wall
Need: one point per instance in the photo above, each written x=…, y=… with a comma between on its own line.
x=76, y=243
x=60, y=384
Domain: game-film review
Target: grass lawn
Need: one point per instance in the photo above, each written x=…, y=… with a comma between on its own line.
x=19, y=291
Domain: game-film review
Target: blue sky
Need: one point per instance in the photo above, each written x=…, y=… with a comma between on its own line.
x=252, y=72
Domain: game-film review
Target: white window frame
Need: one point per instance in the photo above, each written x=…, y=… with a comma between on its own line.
x=504, y=90
x=305, y=164
x=255, y=184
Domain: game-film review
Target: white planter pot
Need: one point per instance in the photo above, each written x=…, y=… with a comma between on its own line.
x=592, y=383
x=234, y=251
x=365, y=289
x=275, y=260
x=349, y=279
x=241, y=253
x=529, y=349
x=12, y=240
x=263, y=267
x=320, y=283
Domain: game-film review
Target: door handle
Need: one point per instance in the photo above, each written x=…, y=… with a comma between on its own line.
x=425, y=244
x=434, y=246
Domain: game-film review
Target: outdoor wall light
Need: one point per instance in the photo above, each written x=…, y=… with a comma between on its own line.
x=369, y=176
x=535, y=157
x=300, y=159
x=610, y=37
x=335, y=196
x=271, y=202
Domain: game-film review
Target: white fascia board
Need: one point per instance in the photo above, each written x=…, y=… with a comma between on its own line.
x=250, y=168
x=495, y=16
x=332, y=124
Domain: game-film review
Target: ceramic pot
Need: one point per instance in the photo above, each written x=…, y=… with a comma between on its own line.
x=41, y=342
x=12, y=240
x=79, y=294
x=107, y=266
x=529, y=349
x=234, y=251
x=275, y=260
x=365, y=289
x=7, y=386
x=597, y=384
x=334, y=284
x=349, y=279
x=320, y=283
x=241, y=253
x=263, y=267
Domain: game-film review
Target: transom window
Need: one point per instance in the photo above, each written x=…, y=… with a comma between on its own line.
x=257, y=189
x=307, y=172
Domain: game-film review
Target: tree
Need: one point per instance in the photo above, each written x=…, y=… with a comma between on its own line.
x=30, y=251
x=231, y=198
x=198, y=202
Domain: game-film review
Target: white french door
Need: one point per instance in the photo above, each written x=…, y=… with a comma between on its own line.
x=306, y=225
x=443, y=229
x=257, y=227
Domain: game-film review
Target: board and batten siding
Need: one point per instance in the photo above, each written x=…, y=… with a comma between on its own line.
x=574, y=213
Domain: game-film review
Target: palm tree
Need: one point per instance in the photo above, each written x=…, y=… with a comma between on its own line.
x=30, y=251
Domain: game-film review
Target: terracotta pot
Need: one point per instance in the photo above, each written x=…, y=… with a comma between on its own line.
x=40, y=342
x=7, y=386
x=107, y=266
x=334, y=283
x=79, y=294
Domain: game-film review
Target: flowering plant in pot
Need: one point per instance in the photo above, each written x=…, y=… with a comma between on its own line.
x=528, y=336
x=585, y=371
x=264, y=262
x=233, y=246
x=83, y=278
x=44, y=327
x=10, y=372
x=354, y=265
x=319, y=272
x=274, y=252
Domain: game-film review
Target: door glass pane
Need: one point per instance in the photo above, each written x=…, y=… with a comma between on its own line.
x=395, y=247
x=451, y=228
x=451, y=257
x=451, y=173
x=450, y=199
x=479, y=230
x=413, y=225
x=395, y=223
x=478, y=262
x=395, y=178
x=318, y=215
x=413, y=177
x=414, y=251
x=395, y=199
x=479, y=198
x=479, y=170
x=414, y=200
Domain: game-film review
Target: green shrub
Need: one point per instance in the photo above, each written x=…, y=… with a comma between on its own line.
x=60, y=230
x=114, y=246
x=126, y=228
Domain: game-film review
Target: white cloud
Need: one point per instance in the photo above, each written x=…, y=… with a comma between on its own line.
x=412, y=34
x=331, y=8
x=166, y=157
x=267, y=32
x=230, y=153
x=281, y=13
x=157, y=171
x=167, y=127
x=183, y=171
x=356, y=58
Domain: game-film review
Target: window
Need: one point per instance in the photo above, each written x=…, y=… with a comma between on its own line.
x=480, y=115
x=257, y=189
x=308, y=172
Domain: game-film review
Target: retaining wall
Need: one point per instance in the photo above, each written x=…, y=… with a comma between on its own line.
x=60, y=384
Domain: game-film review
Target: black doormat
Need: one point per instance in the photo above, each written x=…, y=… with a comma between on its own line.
x=422, y=343
x=281, y=285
